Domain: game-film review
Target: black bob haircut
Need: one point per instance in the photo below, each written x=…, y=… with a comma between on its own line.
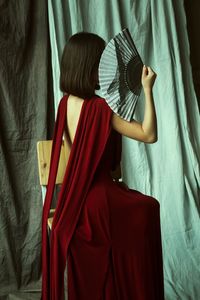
x=79, y=64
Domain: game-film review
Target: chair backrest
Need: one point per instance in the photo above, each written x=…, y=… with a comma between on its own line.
x=44, y=155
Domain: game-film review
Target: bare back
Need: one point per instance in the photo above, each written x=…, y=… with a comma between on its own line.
x=74, y=106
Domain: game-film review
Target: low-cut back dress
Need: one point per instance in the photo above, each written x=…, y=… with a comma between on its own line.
x=108, y=236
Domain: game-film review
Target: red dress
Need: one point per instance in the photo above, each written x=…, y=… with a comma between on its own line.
x=109, y=236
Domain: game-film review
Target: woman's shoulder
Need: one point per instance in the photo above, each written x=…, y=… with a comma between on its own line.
x=99, y=109
x=100, y=103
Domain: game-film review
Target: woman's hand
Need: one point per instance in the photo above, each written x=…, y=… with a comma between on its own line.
x=148, y=78
x=147, y=130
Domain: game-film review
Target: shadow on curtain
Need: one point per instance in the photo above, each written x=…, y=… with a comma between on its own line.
x=192, y=10
x=26, y=107
x=169, y=169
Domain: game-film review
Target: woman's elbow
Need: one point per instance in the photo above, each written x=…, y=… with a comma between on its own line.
x=151, y=139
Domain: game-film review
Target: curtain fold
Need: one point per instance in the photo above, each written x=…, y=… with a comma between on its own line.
x=168, y=169
x=25, y=110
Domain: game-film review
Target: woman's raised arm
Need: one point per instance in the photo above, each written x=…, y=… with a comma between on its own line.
x=147, y=130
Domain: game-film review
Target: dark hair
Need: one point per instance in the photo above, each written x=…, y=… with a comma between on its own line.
x=79, y=64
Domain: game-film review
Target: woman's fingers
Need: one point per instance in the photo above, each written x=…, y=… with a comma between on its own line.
x=150, y=71
x=148, y=76
x=144, y=71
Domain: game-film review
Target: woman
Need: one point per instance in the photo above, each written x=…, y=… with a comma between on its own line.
x=108, y=235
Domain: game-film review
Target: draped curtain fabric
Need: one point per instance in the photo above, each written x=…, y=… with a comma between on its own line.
x=192, y=9
x=26, y=107
x=169, y=169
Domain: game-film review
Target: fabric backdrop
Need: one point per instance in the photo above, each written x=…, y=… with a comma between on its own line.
x=25, y=110
x=169, y=169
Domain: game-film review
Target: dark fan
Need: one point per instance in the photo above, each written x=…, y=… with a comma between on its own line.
x=120, y=71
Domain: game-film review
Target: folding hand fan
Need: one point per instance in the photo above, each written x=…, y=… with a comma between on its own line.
x=120, y=71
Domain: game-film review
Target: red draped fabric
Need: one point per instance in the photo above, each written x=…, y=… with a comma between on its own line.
x=94, y=123
x=108, y=236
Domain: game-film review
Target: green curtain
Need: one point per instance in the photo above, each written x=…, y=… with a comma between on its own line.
x=168, y=169
x=26, y=107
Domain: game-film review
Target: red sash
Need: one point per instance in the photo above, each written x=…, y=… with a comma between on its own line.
x=89, y=143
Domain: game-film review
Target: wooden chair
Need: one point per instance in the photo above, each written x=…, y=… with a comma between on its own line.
x=44, y=156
